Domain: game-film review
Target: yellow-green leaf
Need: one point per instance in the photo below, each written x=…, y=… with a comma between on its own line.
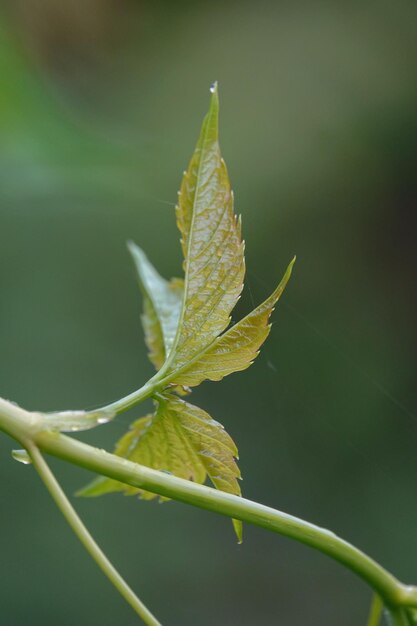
x=162, y=302
x=124, y=446
x=214, y=271
x=186, y=330
x=237, y=348
x=211, y=241
x=181, y=439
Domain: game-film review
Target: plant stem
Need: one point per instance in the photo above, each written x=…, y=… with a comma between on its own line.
x=127, y=402
x=376, y=611
x=86, y=539
x=227, y=504
x=26, y=428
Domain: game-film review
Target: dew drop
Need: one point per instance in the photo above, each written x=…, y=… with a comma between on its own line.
x=21, y=456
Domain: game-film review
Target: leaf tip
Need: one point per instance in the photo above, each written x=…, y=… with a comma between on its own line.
x=214, y=104
x=83, y=492
x=214, y=87
x=287, y=274
x=238, y=528
x=133, y=249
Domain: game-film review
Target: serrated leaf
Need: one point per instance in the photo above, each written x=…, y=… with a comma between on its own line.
x=124, y=447
x=237, y=348
x=213, y=251
x=186, y=329
x=214, y=271
x=182, y=439
x=162, y=302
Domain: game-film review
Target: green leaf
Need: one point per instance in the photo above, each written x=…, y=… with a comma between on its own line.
x=184, y=323
x=186, y=329
x=162, y=302
x=124, y=447
x=214, y=271
x=237, y=348
x=211, y=241
x=181, y=439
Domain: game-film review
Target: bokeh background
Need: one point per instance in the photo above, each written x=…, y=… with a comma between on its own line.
x=100, y=107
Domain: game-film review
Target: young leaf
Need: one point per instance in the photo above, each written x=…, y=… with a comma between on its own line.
x=214, y=270
x=124, y=446
x=161, y=308
x=213, y=251
x=237, y=348
x=186, y=329
x=181, y=439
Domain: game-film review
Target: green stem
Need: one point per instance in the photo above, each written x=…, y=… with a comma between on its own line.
x=133, y=398
x=86, y=539
x=376, y=611
x=129, y=401
x=26, y=428
x=232, y=506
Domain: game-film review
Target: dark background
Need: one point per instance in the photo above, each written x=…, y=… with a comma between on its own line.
x=100, y=107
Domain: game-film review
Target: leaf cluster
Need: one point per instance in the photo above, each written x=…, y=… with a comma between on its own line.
x=188, y=331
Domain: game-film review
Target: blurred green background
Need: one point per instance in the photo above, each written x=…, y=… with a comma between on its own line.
x=100, y=107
